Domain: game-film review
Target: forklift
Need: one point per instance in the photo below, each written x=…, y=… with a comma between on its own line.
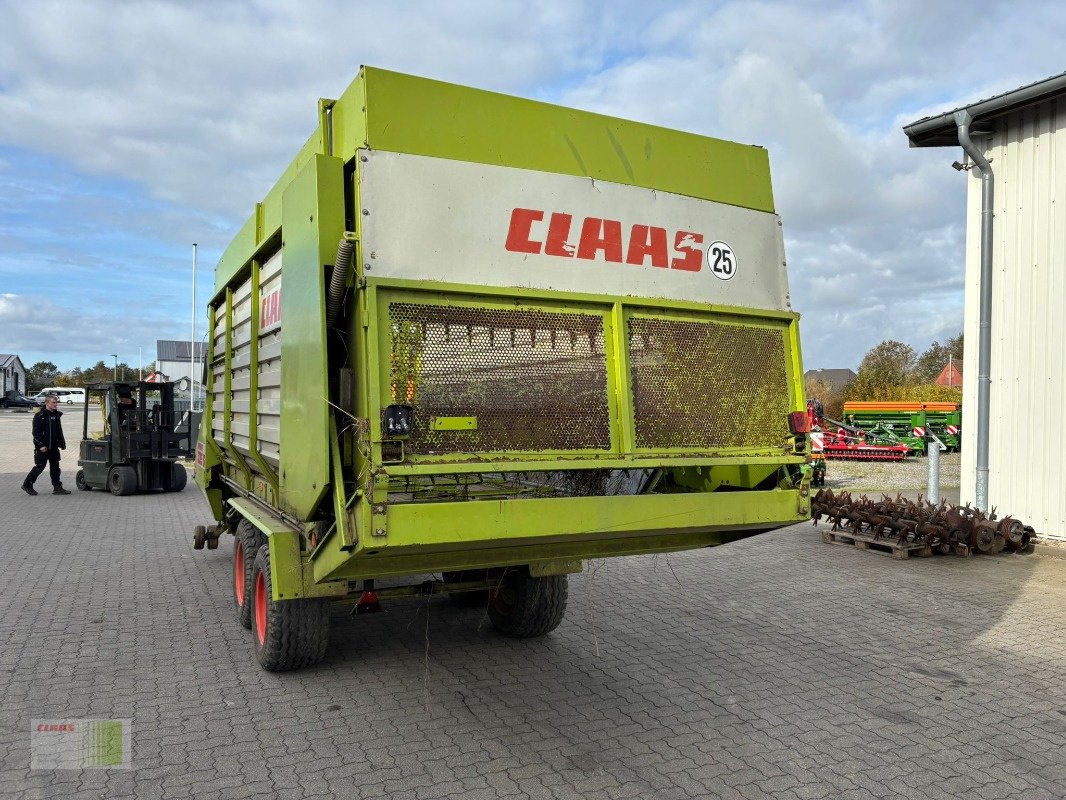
x=139, y=448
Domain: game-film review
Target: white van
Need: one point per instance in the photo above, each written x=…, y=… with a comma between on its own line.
x=65, y=394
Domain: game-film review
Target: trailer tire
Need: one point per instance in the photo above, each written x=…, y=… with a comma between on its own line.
x=79, y=481
x=246, y=543
x=122, y=481
x=179, y=476
x=523, y=606
x=475, y=599
x=287, y=634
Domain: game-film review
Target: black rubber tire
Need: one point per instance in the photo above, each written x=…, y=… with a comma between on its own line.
x=475, y=599
x=79, y=481
x=179, y=476
x=246, y=543
x=286, y=634
x=524, y=607
x=122, y=481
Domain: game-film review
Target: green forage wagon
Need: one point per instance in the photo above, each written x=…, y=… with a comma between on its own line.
x=484, y=339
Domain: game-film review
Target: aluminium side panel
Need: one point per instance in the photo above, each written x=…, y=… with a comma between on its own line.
x=268, y=401
x=268, y=398
x=240, y=366
x=460, y=222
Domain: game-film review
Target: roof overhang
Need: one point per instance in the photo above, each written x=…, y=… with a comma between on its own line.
x=943, y=131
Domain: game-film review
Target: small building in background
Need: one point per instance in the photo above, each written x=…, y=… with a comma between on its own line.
x=12, y=374
x=172, y=359
x=1023, y=134
x=172, y=363
x=951, y=375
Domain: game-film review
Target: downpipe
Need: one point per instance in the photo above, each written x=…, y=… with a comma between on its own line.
x=984, y=342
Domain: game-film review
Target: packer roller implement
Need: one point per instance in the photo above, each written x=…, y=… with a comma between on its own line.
x=942, y=528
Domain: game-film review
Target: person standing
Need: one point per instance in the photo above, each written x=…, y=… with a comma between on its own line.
x=48, y=440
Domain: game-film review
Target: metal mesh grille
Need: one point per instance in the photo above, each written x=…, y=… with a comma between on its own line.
x=534, y=380
x=707, y=385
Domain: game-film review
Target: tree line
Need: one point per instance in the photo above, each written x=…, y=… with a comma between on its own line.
x=893, y=370
x=44, y=374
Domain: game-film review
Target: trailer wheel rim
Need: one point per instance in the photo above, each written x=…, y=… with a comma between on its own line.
x=238, y=572
x=260, y=607
x=502, y=598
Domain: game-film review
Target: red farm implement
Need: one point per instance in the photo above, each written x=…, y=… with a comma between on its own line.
x=835, y=440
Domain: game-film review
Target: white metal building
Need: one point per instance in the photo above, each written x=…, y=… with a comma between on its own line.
x=172, y=359
x=12, y=374
x=1023, y=135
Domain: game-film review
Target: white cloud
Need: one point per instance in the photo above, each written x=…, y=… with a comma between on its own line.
x=38, y=329
x=204, y=103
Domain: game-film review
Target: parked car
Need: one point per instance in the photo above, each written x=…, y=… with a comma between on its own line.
x=15, y=400
x=68, y=396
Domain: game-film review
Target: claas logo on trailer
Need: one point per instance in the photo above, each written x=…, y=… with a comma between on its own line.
x=606, y=239
x=270, y=310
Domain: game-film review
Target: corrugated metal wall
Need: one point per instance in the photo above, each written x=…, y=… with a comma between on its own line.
x=1027, y=447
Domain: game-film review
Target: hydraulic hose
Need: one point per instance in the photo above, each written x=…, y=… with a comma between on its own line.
x=339, y=281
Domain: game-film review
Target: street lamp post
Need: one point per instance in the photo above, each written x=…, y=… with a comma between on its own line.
x=192, y=337
x=114, y=372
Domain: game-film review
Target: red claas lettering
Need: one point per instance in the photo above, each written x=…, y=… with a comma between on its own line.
x=602, y=239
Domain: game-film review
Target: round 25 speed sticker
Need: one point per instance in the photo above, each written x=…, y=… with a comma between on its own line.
x=722, y=260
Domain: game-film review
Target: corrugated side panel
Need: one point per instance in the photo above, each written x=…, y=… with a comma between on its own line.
x=269, y=366
x=218, y=375
x=1028, y=374
x=269, y=400
x=240, y=380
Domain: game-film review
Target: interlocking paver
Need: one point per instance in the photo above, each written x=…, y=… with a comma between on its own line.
x=774, y=667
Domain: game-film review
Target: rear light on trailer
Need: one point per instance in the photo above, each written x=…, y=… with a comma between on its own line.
x=399, y=420
x=799, y=422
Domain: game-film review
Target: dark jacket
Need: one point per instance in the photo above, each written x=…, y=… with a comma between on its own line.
x=48, y=430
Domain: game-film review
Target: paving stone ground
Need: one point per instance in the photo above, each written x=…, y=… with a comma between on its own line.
x=774, y=667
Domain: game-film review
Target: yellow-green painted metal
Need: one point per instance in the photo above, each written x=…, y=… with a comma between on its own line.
x=453, y=423
x=708, y=478
x=211, y=454
x=427, y=537
x=407, y=114
x=345, y=498
x=313, y=223
x=399, y=113
x=290, y=571
x=340, y=500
